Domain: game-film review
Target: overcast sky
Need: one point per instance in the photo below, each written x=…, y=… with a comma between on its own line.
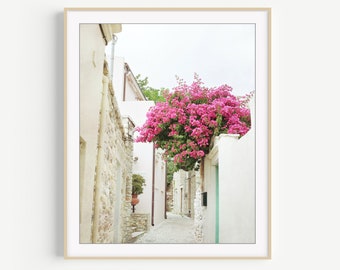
x=219, y=53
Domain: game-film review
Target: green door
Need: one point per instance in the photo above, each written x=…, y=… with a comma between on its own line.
x=217, y=221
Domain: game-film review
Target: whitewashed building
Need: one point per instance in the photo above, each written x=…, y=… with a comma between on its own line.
x=184, y=189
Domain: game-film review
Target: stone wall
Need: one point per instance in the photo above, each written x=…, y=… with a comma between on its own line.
x=137, y=226
x=198, y=212
x=140, y=222
x=125, y=217
x=112, y=209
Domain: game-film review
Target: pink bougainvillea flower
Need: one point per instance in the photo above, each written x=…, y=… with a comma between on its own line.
x=185, y=123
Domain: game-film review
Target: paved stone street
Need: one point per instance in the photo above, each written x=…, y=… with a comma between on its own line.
x=175, y=229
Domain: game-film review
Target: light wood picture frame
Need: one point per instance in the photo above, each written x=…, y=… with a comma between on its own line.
x=99, y=227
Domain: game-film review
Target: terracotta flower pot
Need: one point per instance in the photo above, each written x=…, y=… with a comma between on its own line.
x=134, y=199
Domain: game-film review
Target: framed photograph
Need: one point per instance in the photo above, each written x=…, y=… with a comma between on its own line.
x=167, y=133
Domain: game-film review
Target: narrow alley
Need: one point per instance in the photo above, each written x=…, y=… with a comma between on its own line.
x=175, y=229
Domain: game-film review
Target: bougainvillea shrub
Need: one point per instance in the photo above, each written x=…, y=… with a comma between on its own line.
x=184, y=125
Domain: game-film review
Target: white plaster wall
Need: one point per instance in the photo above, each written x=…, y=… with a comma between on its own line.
x=179, y=205
x=160, y=186
x=209, y=211
x=183, y=201
x=130, y=95
x=237, y=190
x=176, y=192
x=118, y=81
x=91, y=73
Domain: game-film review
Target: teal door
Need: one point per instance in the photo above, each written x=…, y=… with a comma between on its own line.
x=217, y=221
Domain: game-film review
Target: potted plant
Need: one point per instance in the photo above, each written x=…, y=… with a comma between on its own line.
x=138, y=183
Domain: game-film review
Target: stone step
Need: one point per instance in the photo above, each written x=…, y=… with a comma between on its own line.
x=136, y=234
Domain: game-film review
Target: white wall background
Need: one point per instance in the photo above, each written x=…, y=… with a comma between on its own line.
x=305, y=95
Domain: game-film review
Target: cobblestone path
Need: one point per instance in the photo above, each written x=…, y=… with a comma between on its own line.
x=175, y=229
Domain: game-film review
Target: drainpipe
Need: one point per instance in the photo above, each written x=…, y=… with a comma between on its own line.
x=114, y=41
x=126, y=70
x=153, y=187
